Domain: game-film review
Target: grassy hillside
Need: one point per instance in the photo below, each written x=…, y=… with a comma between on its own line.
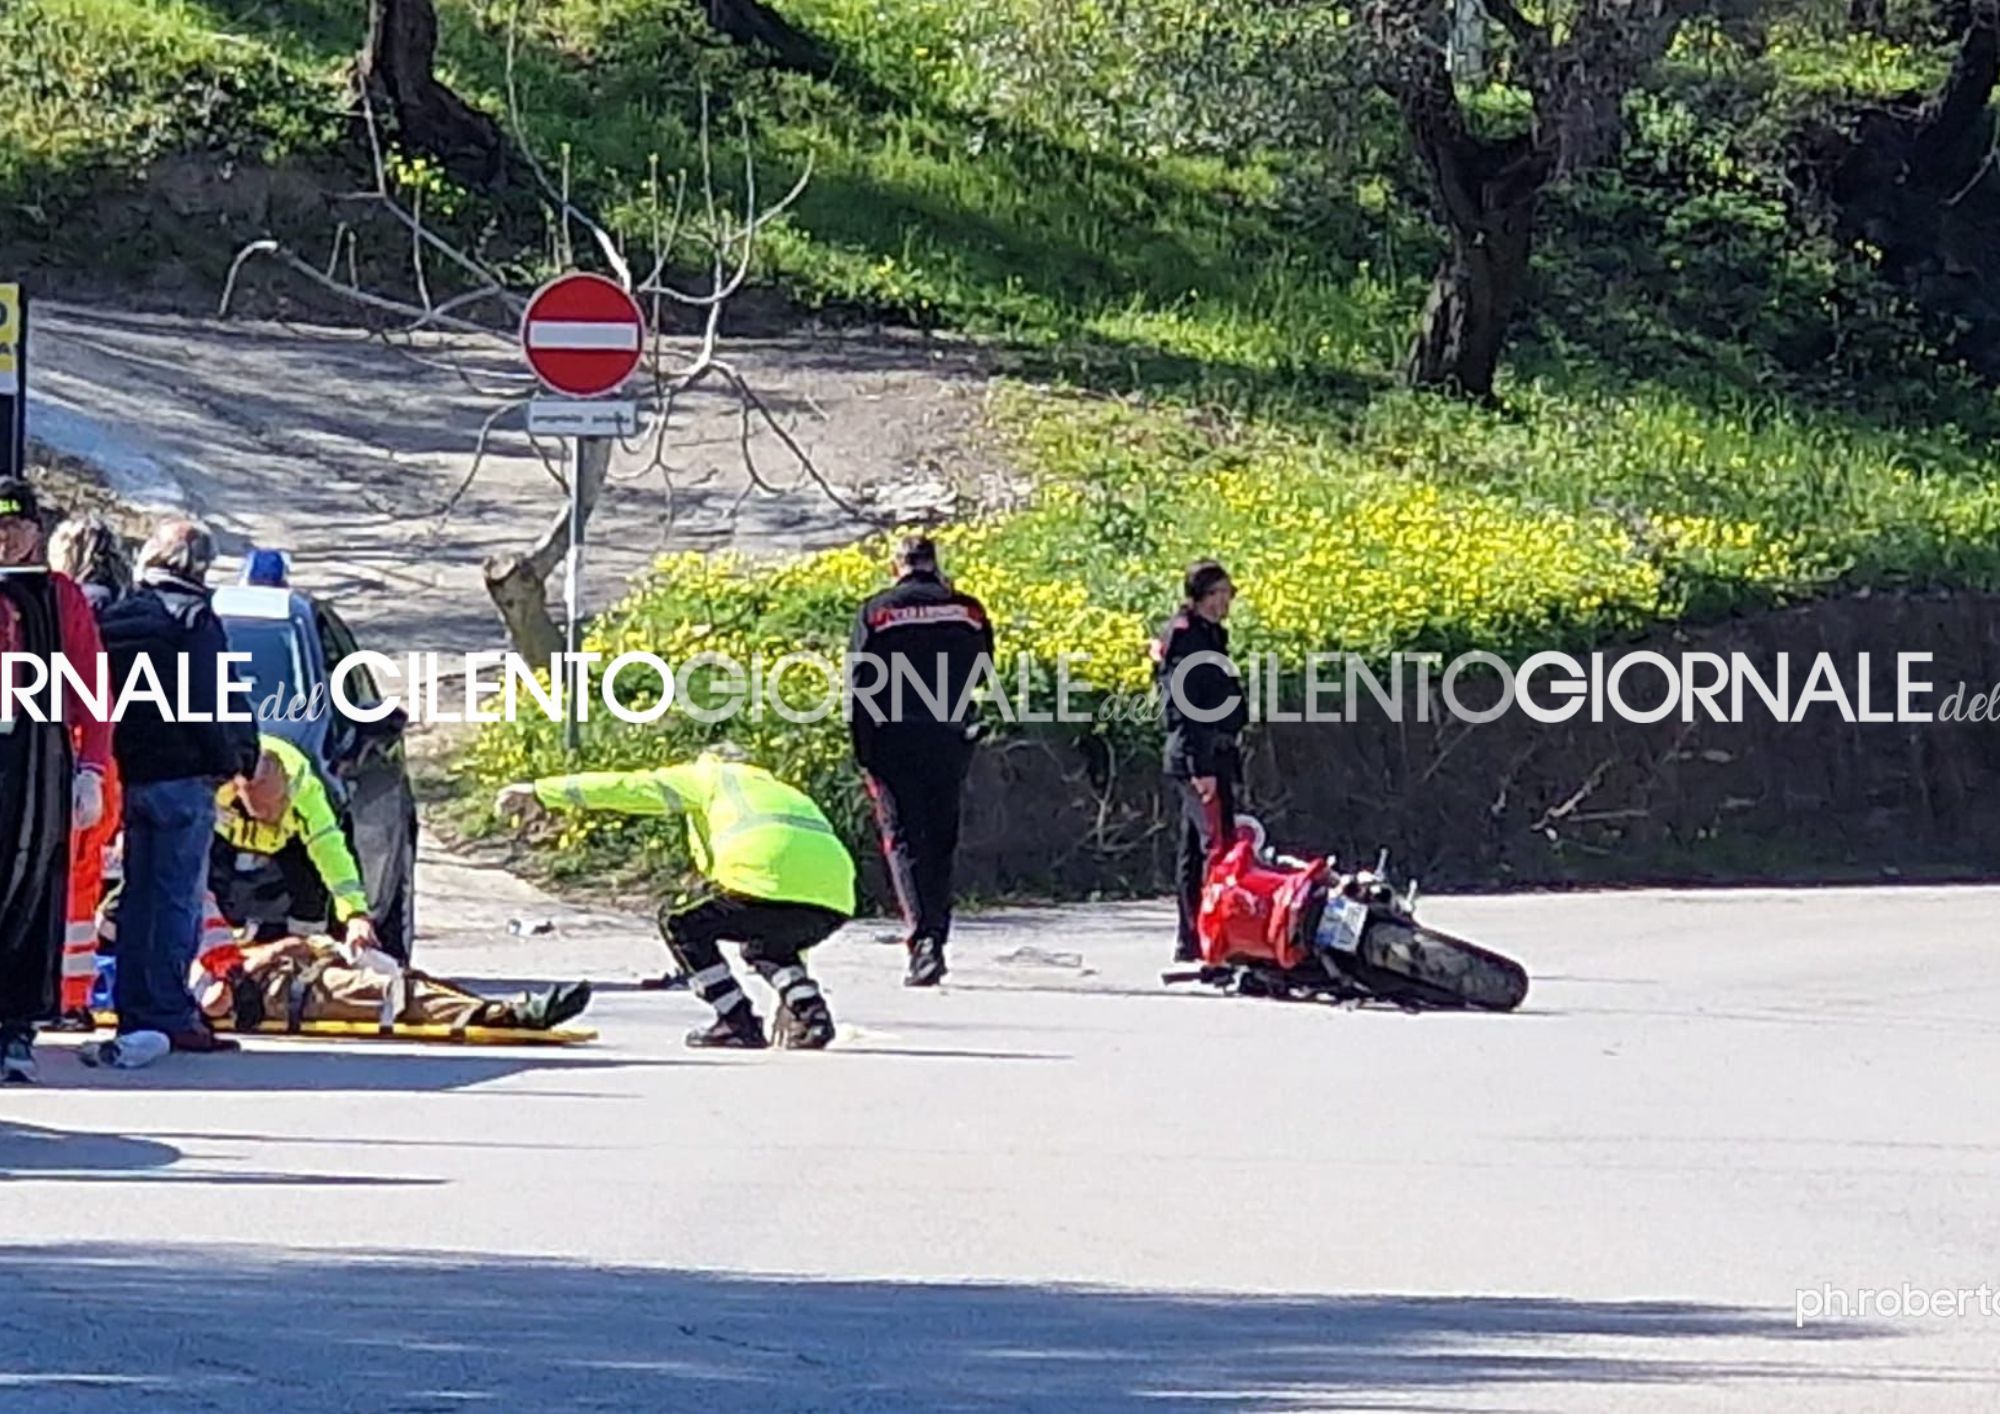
x=1714, y=405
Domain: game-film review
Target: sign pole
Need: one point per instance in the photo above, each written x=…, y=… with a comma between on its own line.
x=584, y=336
x=572, y=584
x=13, y=381
x=590, y=464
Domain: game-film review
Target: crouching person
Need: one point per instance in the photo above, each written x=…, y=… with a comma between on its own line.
x=296, y=980
x=781, y=880
x=282, y=812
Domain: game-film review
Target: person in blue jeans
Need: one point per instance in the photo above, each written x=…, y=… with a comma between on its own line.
x=168, y=826
x=171, y=770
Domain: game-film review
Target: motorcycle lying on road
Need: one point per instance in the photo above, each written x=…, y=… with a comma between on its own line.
x=1298, y=929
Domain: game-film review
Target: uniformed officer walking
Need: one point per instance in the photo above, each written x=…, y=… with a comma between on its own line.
x=915, y=746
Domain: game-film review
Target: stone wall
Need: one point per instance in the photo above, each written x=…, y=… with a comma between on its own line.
x=1516, y=802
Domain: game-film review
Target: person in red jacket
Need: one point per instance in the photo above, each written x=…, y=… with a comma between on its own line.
x=89, y=551
x=49, y=783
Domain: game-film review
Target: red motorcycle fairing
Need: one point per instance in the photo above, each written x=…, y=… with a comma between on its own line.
x=1251, y=912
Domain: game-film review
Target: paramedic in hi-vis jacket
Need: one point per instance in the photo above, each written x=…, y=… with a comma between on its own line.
x=282, y=811
x=781, y=882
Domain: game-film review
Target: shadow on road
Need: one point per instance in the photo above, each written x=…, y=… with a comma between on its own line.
x=30, y=1151
x=522, y=1335
x=286, y=1066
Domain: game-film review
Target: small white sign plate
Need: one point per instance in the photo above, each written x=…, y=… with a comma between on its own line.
x=583, y=417
x=1341, y=925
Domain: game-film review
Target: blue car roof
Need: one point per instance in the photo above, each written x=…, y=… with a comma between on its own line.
x=270, y=604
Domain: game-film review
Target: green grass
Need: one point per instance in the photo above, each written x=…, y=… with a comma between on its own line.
x=1714, y=406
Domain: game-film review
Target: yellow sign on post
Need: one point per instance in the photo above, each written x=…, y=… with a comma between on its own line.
x=11, y=351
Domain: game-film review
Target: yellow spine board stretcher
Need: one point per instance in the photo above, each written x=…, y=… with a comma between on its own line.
x=406, y=1031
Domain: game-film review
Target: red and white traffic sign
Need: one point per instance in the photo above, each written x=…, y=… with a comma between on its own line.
x=583, y=335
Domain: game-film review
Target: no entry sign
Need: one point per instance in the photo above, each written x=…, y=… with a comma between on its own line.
x=583, y=335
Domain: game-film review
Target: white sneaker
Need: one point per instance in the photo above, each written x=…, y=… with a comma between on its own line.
x=127, y=1052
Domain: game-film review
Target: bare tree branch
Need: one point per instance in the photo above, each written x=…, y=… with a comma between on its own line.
x=559, y=199
x=478, y=463
x=311, y=272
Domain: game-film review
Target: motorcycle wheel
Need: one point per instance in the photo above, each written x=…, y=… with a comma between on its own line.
x=1442, y=968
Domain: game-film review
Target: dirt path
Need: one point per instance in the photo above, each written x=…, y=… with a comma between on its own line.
x=332, y=445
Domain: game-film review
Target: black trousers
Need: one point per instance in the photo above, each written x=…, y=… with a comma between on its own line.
x=241, y=901
x=36, y=778
x=918, y=792
x=1203, y=823
x=774, y=936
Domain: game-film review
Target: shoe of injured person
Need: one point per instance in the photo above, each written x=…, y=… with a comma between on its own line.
x=927, y=967
x=738, y=1028
x=545, y=1011
x=201, y=1040
x=809, y=1027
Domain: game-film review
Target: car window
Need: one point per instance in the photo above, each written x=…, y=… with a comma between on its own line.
x=275, y=666
x=337, y=642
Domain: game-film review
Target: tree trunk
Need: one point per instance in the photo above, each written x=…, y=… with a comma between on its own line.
x=752, y=23
x=1468, y=41
x=397, y=71
x=1478, y=286
x=518, y=584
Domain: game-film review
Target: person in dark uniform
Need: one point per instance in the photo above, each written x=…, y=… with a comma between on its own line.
x=1204, y=709
x=914, y=752
x=51, y=776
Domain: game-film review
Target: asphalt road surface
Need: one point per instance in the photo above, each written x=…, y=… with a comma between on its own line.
x=1056, y=1185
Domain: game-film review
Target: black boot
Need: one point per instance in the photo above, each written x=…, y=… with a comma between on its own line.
x=806, y=1027
x=735, y=1029
x=547, y=1010
x=927, y=967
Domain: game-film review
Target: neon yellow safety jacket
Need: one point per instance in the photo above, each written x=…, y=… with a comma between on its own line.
x=748, y=831
x=310, y=818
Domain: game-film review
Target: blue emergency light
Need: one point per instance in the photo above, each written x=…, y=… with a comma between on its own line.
x=268, y=568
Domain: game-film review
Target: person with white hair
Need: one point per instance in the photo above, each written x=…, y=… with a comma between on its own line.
x=171, y=769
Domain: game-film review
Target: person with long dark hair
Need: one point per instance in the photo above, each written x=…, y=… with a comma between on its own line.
x=91, y=553
x=1203, y=708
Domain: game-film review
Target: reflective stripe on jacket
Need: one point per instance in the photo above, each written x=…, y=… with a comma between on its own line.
x=748, y=831
x=309, y=818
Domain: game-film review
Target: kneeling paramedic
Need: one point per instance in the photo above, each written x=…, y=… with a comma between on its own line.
x=282, y=812
x=298, y=980
x=782, y=882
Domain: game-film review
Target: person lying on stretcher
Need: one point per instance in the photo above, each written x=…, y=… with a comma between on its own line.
x=294, y=980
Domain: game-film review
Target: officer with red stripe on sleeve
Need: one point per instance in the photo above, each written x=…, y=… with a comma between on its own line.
x=917, y=648
x=51, y=781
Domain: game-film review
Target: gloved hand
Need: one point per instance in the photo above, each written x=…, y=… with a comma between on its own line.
x=86, y=800
x=517, y=802
x=361, y=933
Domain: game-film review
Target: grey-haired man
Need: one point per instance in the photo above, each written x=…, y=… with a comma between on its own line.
x=171, y=769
